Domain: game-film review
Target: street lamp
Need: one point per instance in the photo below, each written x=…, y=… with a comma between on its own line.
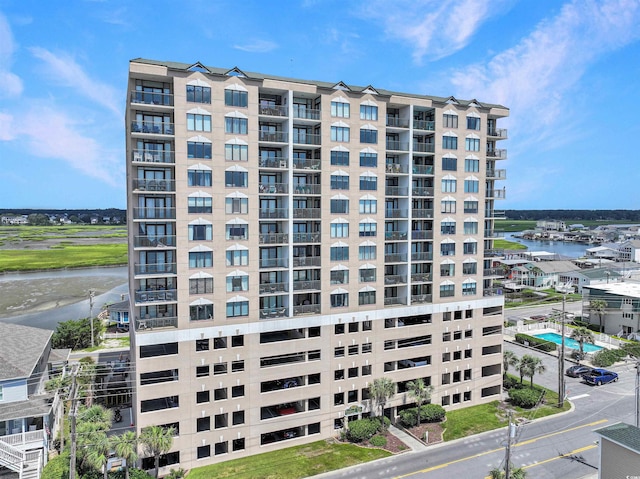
x=92, y=294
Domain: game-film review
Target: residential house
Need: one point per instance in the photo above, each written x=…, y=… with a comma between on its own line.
x=619, y=449
x=119, y=314
x=622, y=314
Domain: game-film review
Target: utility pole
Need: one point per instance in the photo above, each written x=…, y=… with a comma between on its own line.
x=638, y=394
x=73, y=413
x=561, y=385
x=507, y=460
x=92, y=294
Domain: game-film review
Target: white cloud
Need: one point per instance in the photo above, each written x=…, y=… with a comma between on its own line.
x=6, y=127
x=435, y=28
x=10, y=83
x=64, y=70
x=258, y=46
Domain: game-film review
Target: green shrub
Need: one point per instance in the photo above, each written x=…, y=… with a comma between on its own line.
x=57, y=468
x=432, y=413
x=525, y=398
x=409, y=417
x=510, y=382
x=362, y=429
x=606, y=357
x=632, y=349
x=536, y=343
x=378, y=441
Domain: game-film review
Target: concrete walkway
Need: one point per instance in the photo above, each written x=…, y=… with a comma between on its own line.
x=408, y=439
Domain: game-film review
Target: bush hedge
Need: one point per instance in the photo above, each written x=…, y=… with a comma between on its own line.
x=525, y=398
x=362, y=429
x=536, y=343
x=57, y=468
x=409, y=417
x=432, y=413
x=378, y=441
x=606, y=357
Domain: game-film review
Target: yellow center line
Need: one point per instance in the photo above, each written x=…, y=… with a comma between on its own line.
x=529, y=441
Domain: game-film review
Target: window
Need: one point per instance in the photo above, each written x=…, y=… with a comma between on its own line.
x=339, y=277
x=237, y=341
x=354, y=327
x=236, y=98
x=470, y=227
x=199, y=177
x=235, y=125
x=237, y=391
x=200, y=232
x=447, y=269
x=220, y=394
x=369, y=112
x=200, y=204
x=369, y=159
x=448, y=227
x=469, y=268
x=368, y=136
x=202, y=396
x=236, y=152
x=368, y=183
x=238, y=417
x=339, y=109
x=339, y=182
x=237, y=258
x=238, y=444
x=221, y=448
x=340, y=158
x=368, y=229
x=236, y=206
x=470, y=206
x=352, y=396
x=339, y=230
x=236, y=231
x=198, y=122
x=448, y=206
x=366, y=297
x=198, y=94
x=471, y=186
x=448, y=249
x=450, y=142
x=473, y=123
x=368, y=206
x=340, y=206
x=339, y=253
x=449, y=164
x=468, y=289
x=201, y=312
x=204, y=451
x=202, y=344
x=449, y=185
x=338, y=399
x=236, y=179
x=471, y=165
x=237, y=308
x=203, y=424
x=470, y=247
x=339, y=300
x=367, y=275
x=199, y=150
x=237, y=366
x=340, y=133
x=447, y=290
x=366, y=370
x=367, y=325
x=202, y=371
x=450, y=121
x=338, y=352
x=237, y=283
x=353, y=349
x=220, y=421
x=472, y=144
x=200, y=259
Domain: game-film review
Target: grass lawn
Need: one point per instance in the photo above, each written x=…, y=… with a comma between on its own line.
x=504, y=244
x=291, y=463
x=511, y=226
x=63, y=256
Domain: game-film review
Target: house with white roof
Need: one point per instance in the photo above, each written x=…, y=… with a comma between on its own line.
x=622, y=313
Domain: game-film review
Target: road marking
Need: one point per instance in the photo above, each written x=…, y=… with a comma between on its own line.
x=579, y=396
x=523, y=443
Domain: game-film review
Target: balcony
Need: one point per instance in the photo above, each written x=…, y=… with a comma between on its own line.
x=151, y=98
x=496, y=194
x=306, y=237
x=157, y=296
x=273, y=136
x=396, y=168
x=146, y=241
x=493, y=273
x=395, y=279
x=396, y=213
x=273, y=238
x=307, y=213
x=142, y=184
x=422, y=170
x=275, y=110
x=273, y=188
x=153, y=156
x=423, y=256
x=305, y=285
x=306, y=139
x=304, y=113
x=424, y=125
x=273, y=213
x=307, y=261
x=267, y=263
x=148, y=324
x=273, y=288
x=421, y=234
x=422, y=191
x=499, y=174
x=395, y=122
x=421, y=277
x=395, y=258
x=306, y=164
x=423, y=147
x=396, y=191
x=421, y=298
x=152, y=127
x=393, y=145
x=395, y=235
x=492, y=292
x=422, y=213
x=394, y=300
x=274, y=313
x=154, y=213
x=307, y=189
x=500, y=154
x=493, y=234
x=155, y=269
x=306, y=309
x=500, y=133
x=277, y=162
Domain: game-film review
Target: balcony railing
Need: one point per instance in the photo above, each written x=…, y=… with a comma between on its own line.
x=423, y=256
x=306, y=164
x=495, y=272
x=156, y=296
x=154, y=213
x=499, y=174
x=143, y=184
x=396, y=191
x=151, y=98
x=273, y=238
x=422, y=191
x=273, y=136
x=279, y=162
x=307, y=213
x=422, y=213
x=305, y=113
x=305, y=285
x=395, y=258
x=424, y=125
x=152, y=127
x=421, y=277
x=151, y=269
x=275, y=110
x=394, y=145
x=497, y=153
x=421, y=298
x=32, y=439
x=493, y=234
x=396, y=122
x=156, y=323
x=493, y=292
x=424, y=147
x=274, y=288
x=396, y=168
x=146, y=241
x=273, y=213
x=307, y=261
x=307, y=189
x=421, y=234
x=153, y=156
x=398, y=213
x=395, y=279
x=395, y=235
x=273, y=263
x=274, y=313
x=306, y=237
x=497, y=194
x=498, y=133
x=306, y=138
x=393, y=300
x=273, y=188
x=306, y=309
x=422, y=170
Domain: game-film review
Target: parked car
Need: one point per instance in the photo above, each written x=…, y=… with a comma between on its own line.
x=577, y=371
x=539, y=317
x=600, y=376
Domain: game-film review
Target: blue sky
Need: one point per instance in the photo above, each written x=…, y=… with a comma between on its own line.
x=568, y=70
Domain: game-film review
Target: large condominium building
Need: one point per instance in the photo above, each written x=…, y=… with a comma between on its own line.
x=292, y=241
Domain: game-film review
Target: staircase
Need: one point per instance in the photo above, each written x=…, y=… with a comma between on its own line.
x=27, y=464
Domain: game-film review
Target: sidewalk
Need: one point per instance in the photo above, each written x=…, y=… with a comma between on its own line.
x=412, y=442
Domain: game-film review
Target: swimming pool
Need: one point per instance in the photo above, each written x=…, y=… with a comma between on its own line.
x=568, y=342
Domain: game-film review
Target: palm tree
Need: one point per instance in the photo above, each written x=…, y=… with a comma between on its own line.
x=157, y=440
x=598, y=306
x=420, y=391
x=96, y=448
x=532, y=366
x=515, y=473
x=380, y=391
x=509, y=358
x=126, y=447
x=582, y=335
